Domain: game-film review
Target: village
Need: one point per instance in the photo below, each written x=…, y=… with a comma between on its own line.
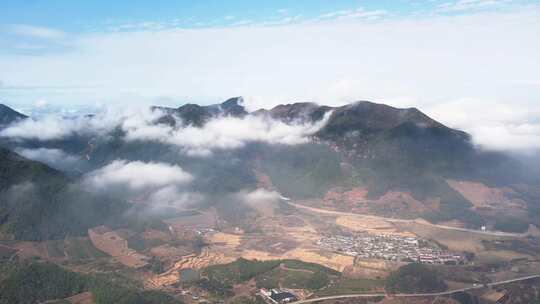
x=389, y=247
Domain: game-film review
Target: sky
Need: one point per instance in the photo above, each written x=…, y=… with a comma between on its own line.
x=472, y=64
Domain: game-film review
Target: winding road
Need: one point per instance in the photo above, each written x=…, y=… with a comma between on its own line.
x=413, y=221
x=410, y=295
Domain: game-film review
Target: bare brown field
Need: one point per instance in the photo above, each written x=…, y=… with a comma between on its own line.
x=331, y=260
x=209, y=256
x=227, y=239
x=183, y=225
x=492, y=295
x=31, y=249
x=152, y=234
x=369, y=269
x=454, y=240
x=453, y=223
x=162, y=281
x=82, y=298
x=113, y=244
x=482, y=196
x=356, y=200
x=275, y=245
x=372, y=225
x=291, y=221
x=169, y=252
x=462, y=241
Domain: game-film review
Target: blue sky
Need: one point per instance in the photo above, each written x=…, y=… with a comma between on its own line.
x=448, y=57
x=77, y=16
x=99, y=15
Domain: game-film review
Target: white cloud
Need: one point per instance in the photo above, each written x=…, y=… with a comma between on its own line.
x=137, y=176
x=37, y=32
x=140, y=124
x=173, y=196
x=52, y=157
x=359, y=13
x=426, y=61
x=467, y=5
x=223, y=133
x=154, y=184
x=40, y=103
x=242, y=22
x=54, y=126
x=46, y=128
x=261, y=200
x=493, y=125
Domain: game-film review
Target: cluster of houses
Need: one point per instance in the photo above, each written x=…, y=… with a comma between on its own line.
x=389, y=247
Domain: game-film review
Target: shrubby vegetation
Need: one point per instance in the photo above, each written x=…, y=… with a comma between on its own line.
x=38, y=282
x=238, y=271
x=248, y=300
x=415, y=278
x=318, y=280
x=302, y=171
x=219, y=279
x=509, y=224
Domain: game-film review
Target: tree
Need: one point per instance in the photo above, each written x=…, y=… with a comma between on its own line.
x=415, y=278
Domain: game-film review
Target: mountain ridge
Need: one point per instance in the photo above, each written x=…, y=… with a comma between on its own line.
x=373, y=146
x=9, y=115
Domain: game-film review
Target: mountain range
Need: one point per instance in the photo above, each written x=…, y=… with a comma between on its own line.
x=398, y=163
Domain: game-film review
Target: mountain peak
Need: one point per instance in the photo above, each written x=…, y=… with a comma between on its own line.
x=233, y=107
x=232, y=102
x=8, y=115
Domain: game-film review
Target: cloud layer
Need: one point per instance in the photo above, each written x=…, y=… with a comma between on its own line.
x=509, y=127
x=223, y=133
x=141, y=125
x=261, y=200
x=431, y=62
x=154, y=184
x=137, y=176
x=53, y=157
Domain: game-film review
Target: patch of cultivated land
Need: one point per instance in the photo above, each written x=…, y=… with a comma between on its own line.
x=280, y=237
x=82, y=298
x=391, y=203
x=227, y=239
x=482, y=196
x=330, y=260
x=212, y=255
x=31, y=249
x=350, y=286
x=81, y=248
x=115, y=245
x=372, y=225
x=370, y=268
x=186, y=224
x=461, y=241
